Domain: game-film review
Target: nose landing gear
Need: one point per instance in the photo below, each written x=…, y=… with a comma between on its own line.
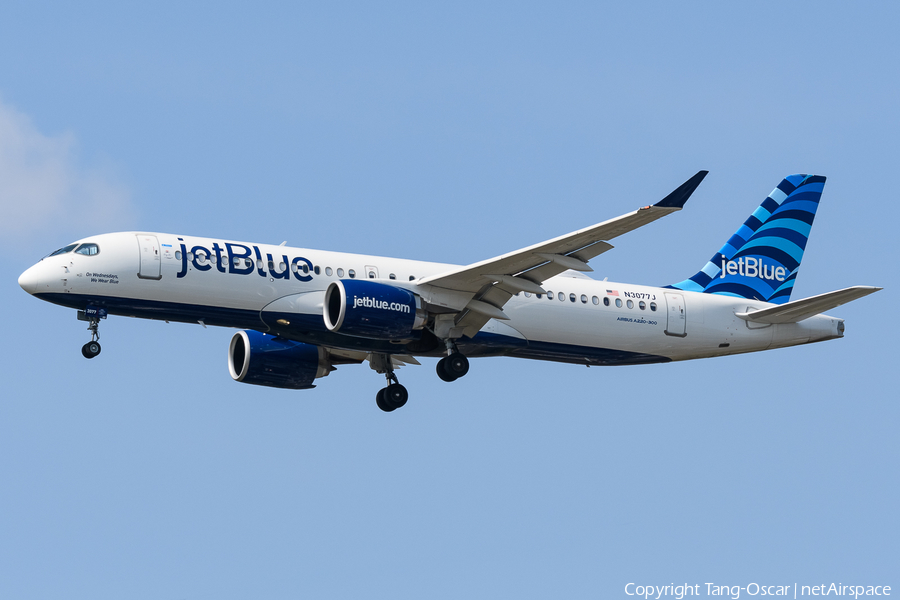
x=92, y=348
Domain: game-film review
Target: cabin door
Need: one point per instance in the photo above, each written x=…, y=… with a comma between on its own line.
x=150, y=259
x=676, y=318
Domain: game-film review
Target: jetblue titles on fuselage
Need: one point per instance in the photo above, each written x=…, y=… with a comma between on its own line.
x=238, y=259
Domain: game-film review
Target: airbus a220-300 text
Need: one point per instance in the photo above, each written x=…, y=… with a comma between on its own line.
x=304, y=312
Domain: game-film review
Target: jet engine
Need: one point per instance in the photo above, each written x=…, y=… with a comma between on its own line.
x=262, y=359
x=372, y=310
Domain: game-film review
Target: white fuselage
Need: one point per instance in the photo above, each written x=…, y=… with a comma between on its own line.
x=280, y=290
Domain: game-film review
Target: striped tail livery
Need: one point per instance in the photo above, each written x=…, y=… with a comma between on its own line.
x=762, y=259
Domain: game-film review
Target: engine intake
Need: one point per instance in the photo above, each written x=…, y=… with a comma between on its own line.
x=372, y=310
x=262, y=359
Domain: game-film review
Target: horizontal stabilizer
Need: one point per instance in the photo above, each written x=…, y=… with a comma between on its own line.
x=796, y=311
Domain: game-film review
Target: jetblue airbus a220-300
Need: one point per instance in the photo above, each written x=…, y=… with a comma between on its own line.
x=304, y=312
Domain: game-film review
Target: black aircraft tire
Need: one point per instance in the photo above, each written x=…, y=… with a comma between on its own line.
x=90, y=350
x=381, y=401
x=395, y=396
x=457, y=365
x=442, y=371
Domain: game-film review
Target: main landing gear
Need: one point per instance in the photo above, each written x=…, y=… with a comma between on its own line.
x=453, y=366
x=92, y=348
x=394, y=395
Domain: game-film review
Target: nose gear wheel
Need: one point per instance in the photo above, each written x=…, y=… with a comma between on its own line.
x=92, y=348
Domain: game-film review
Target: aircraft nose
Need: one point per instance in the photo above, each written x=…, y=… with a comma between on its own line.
x=29, y=279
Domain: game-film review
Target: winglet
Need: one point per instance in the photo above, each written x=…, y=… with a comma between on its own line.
x=677, y=198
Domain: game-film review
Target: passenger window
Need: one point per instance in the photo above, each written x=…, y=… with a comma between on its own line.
x=191, y=256
x=328, y=271
x=317, y=270
x=305, y=269
x=618, y=303
x=351, y=273
x=630, y=304
x=571, y=297
x=340, y=272
x=653, y=306
x=595, y=300
x=539, y=296
x=412, y=277
x=550, y=295
x=271, y=265
x=248, y=262
x=561, y=296
x=605, y=301
x=642, y=305
x=178, y=255
x=237, y=261
x=258, y=264
x=583, y=299
x=371, y=274
x=88, y=249
x=392, y=276
x=282, y=267
x=528, y=294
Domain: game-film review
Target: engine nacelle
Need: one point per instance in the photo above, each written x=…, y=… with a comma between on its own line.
x=372, y=310
x=262, y=359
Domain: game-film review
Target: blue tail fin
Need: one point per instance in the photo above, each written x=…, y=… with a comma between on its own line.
x=761, y=260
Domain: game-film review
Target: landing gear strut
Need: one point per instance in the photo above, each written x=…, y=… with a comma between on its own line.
x=92, y=348
x=394, y=395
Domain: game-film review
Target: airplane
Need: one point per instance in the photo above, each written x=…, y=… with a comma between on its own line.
x=302, y=313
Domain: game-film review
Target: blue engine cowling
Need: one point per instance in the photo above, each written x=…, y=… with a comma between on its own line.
x=372, y=310
x=262, y=359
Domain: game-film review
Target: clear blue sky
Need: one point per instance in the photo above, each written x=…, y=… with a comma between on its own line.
x=448, y=133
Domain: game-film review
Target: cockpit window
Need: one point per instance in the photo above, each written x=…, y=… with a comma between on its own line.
x=68, y=248
x=88, y=249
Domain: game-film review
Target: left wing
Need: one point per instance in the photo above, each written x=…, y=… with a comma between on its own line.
x=493, y=282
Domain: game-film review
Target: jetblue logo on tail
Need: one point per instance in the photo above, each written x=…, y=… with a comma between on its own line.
x=752, y=267
x=761, y=260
